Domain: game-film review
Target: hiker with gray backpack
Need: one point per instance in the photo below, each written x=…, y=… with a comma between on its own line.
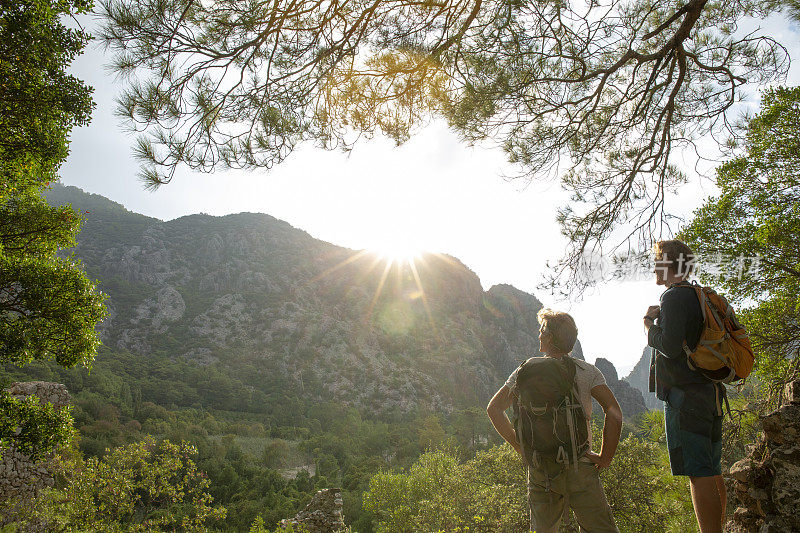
x=552, y=401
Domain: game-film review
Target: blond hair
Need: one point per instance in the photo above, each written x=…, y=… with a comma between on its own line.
x=677, y=255
x=560, y=327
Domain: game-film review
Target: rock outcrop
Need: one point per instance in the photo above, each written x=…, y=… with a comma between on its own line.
x=629, y=398
x=639, y=379
x=21, y=478
x=323, y=514
x=511, y=334
x=767, y=482
x=54, y=393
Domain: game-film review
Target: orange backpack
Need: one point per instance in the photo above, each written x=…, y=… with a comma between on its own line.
x=723, y=353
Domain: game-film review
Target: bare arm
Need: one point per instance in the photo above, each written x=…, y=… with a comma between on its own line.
x=497, y=414
x=612, y=426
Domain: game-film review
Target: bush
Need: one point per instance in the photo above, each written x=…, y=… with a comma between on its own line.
x=488, y=493
x=145, y=486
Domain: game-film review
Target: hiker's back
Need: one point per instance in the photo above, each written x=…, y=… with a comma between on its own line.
x=554, y=397
x=550, y=419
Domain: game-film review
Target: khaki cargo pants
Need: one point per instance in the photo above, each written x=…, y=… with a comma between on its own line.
x=577, y=489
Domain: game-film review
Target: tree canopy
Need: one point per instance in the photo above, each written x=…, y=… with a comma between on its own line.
x=599, y=93
x=48, y=308
x=39, y=102
x=751, y=227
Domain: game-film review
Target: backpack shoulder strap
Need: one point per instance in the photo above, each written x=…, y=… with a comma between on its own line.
x=570, y=366
x=514, y=388
x=702, y=297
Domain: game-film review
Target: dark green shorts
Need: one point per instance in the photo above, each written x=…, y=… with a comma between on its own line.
x=693, y=419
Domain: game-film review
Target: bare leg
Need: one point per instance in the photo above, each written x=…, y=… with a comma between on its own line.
x=723, y=496
x=707, y=502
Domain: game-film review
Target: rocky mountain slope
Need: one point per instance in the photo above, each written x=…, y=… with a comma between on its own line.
x=254, y=296
x=277, y=309
x=274, y=307
x=630, y=399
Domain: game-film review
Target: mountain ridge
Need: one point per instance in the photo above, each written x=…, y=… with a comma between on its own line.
x=250, y=287
x=255, y=296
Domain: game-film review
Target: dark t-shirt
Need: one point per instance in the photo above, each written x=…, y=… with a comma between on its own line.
x=680, y=319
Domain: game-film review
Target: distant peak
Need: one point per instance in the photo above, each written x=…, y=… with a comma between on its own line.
x=59, y=194
x=607, y=368
x=505, y=290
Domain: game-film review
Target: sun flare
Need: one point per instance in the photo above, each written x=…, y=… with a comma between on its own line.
x=398, y=252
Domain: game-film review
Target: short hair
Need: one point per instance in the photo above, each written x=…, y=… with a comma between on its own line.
x=560, y=327
x=677, y=254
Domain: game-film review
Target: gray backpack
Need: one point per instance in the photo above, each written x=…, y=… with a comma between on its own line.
x=549, y=419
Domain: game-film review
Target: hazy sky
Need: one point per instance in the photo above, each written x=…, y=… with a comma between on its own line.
x=434, y=193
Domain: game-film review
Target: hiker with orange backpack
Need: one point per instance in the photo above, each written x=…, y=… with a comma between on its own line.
x=697, y=346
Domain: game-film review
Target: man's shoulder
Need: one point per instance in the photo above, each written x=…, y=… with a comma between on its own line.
x=682, y=298
x=587, y=375
x=534, y=358
x=585, y=366
x=580, y=364
x=678, y=291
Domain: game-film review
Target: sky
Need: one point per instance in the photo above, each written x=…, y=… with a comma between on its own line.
x=433, y=193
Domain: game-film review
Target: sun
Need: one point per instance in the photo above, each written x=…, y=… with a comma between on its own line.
x=398, y=252
x=392, y=255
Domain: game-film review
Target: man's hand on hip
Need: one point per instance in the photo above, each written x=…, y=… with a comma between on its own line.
x=598, y=460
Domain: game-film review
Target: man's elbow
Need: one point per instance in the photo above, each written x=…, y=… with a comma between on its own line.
x=499, y=403
x=668, y=349
x=665, y=344
x=673, y=350
x=614, y=414
x=496, y=412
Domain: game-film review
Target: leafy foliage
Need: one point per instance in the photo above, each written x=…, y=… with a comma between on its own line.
x=34, y=428
x=262, y=460
x=607, y=89
x=487, y=493
x=48, y=308
x=39, y=101
x=440, y=493
x=757, y=217
x=642, y=492
x=145, y=486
